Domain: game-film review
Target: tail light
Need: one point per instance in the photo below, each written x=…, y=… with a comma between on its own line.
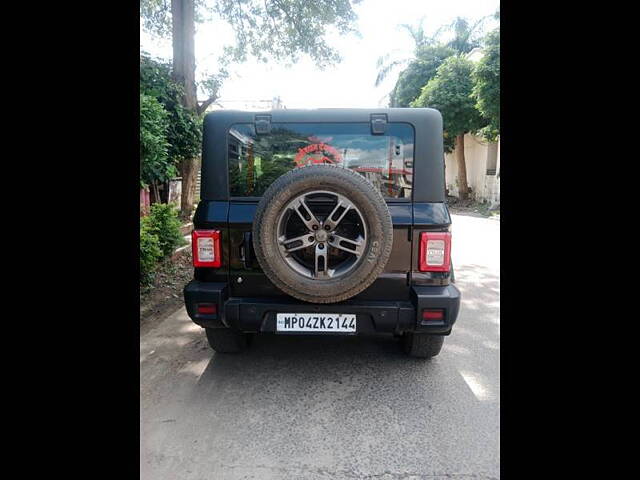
x=205, y=245
x=433, y=314
x=207, y=308
x=435, y=252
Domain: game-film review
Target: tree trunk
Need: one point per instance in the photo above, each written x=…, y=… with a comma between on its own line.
x=156, y=194
x=188, y=172
x=184, y=73
x=463, y=188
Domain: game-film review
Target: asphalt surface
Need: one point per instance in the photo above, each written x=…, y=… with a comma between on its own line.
x=331, y=407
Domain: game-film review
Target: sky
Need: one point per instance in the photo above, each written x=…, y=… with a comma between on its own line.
x=350, y=83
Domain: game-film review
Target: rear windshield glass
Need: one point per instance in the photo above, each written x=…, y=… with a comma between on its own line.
x=255, y=161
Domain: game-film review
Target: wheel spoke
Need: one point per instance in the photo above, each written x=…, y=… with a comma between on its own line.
x=330, y=222
x=312, y=218
x=304, y=239
x=321, y=264
x=351, y=246
x=316, y=245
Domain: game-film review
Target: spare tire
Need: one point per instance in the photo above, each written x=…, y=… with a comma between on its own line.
x=322, y=233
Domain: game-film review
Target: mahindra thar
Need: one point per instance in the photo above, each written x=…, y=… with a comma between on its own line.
x=323, y=222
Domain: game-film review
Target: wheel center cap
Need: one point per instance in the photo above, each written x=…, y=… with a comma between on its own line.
x=321, y=236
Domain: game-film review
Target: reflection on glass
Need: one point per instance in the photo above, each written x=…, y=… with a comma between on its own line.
x=255, y=161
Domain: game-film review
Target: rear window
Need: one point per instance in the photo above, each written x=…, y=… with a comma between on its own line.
x=255, y=161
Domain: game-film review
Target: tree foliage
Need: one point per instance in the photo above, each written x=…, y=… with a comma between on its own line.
x=428, y=55
x=486, y=89
x=450, y=93
x=386, y=63
x=417, y=74
x=278, y=29
x=155, y=165
x=466, y=35
x=184, y=131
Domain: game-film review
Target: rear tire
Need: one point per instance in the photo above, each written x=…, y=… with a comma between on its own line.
x=422, y=345
x=226, y=340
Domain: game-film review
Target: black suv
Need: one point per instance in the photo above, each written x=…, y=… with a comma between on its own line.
x=329, y=221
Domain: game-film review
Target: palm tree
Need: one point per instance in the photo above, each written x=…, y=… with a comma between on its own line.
x=387, y=63
x=466, y=37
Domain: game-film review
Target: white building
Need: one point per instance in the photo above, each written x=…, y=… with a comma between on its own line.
x=483, y=170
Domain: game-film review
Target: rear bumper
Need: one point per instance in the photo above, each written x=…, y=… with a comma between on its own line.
x=259, y=314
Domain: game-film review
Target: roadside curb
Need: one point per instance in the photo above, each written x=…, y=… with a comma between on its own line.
x=185, y=230
x=181, y=249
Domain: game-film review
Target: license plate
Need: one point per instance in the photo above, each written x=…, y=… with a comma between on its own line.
x=316, y=322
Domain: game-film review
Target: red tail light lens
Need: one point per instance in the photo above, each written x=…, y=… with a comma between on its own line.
x=207, y=308
x=433, y=315
x=435, y=252
x=205, y=245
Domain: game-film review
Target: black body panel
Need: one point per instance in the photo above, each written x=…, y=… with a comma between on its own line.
x=248, y=300
x=432, y=217
x=391, y=285
x=249, y=314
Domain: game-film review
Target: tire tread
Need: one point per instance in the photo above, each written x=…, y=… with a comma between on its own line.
x=284, y=182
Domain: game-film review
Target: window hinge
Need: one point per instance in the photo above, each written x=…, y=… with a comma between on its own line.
x=263, y=124
x=378, y=123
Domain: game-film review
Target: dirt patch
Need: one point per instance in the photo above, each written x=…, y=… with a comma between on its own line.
x=472, y=208
x=164, y=295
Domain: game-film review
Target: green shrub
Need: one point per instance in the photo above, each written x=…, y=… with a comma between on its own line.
x=163, y=222
x=150, y=252
x=183, y=127
x=155, y=164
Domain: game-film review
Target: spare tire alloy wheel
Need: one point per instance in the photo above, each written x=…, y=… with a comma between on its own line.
x=322, y=233
x=320, y=236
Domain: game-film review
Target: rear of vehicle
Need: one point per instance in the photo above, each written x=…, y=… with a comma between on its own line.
x=323, y=222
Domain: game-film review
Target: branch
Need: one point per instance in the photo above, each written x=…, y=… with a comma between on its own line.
x=291, y=20
x=273, y=21
x=204, y=105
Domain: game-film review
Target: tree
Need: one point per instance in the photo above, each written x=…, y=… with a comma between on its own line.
x=387, y=63
x=450, y=93
x=280, y=29
x=486, y=88
x=417, y=74
x=466, y=36
x=184, y=130
x=428, y=55
x=155, y=164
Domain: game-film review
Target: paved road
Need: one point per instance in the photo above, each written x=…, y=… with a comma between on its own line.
x=331, y=407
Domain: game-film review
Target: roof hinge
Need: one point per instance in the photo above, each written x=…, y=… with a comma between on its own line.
x=263, y=124
x=378, y=123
